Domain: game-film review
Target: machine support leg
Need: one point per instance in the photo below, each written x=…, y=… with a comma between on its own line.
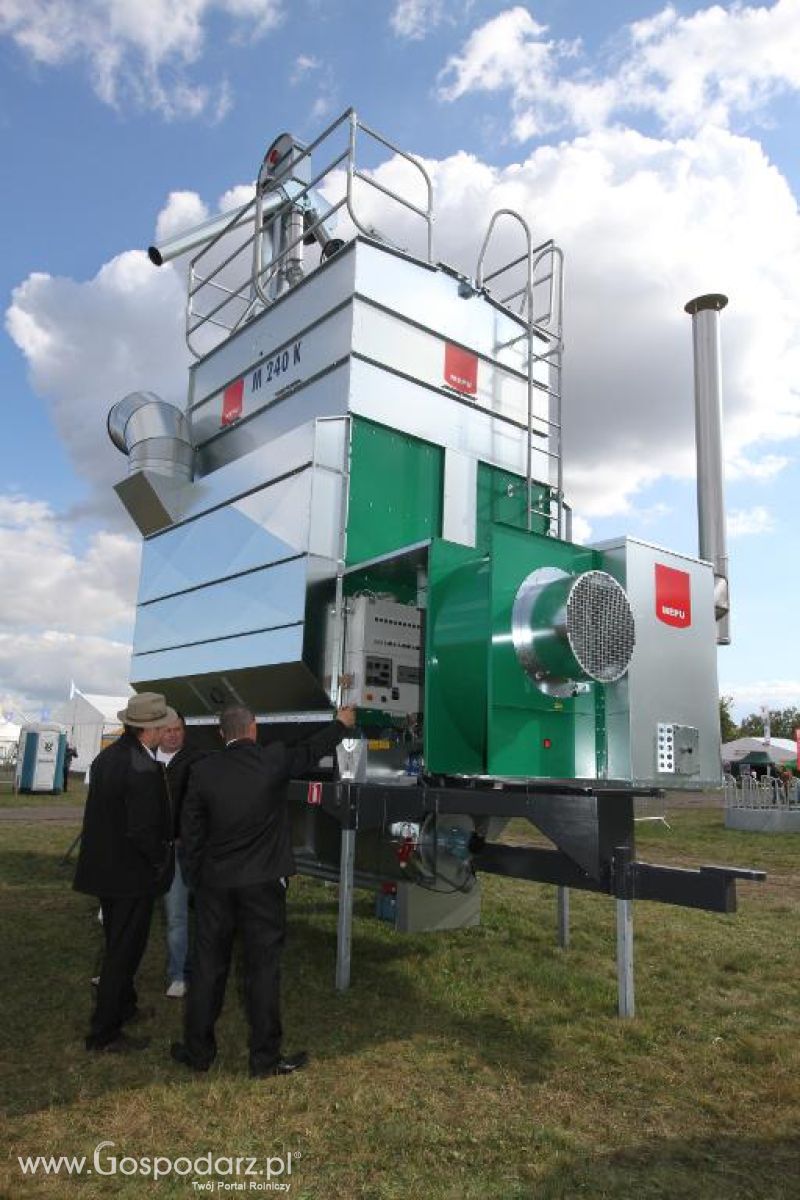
x=563, y=918
x=625, y=957
x=344, y=925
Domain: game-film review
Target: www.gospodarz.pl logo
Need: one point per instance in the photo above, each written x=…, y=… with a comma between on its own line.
x=208, y=1172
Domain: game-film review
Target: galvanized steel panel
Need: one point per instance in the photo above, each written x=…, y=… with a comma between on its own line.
x=274, y=457
x=431, y=296
x=460, y=498
x=387, y=338
x=295, y=311
x=259, y=600
x=265, y=648
x=265, y=382
x=325, y=397
x=672, y=677
x=255, y=531
x=435, y=417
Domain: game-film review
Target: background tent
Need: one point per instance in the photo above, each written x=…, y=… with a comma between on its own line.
x=779, y=750
x=91, y=721
x=9, y=737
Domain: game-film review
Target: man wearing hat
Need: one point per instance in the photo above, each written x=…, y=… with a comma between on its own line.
x=126, y=860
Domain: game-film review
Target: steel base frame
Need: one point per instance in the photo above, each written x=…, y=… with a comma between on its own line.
x=592, y=829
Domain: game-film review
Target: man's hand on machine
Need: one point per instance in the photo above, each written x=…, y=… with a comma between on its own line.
x=347, y=716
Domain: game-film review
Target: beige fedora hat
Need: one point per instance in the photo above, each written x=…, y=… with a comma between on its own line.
x=148, y=710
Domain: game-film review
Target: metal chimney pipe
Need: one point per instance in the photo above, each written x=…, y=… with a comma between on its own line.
x=704, y=311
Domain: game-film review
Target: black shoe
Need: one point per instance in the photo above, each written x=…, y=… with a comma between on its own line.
x=179, y=1054
x=284, y=1066
x=121, y=1044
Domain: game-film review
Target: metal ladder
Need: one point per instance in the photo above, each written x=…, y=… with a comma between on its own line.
x=543, y=283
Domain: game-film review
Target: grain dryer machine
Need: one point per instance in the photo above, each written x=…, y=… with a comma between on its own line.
x=362, y=503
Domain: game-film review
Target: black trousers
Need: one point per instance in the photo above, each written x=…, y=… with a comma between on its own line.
x=259, y=914
x=126, y=926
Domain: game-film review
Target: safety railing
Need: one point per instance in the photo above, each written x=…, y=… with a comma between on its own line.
x=229, y=284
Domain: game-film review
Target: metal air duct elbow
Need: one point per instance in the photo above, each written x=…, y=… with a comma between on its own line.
x=156, y=438
x=712, y=538
x=154, y=435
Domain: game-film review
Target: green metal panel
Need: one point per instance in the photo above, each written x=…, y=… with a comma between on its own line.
x=483, y=714
x=502, y=499
x=457, y=661
x=395, y=491
x=521, y=718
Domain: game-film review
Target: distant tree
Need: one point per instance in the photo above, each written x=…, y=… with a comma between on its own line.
x=782, y=721
x=727, y=726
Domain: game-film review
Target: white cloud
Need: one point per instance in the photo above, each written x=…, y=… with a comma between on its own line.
x=37, y=668
x=138, y=52
x=46, y=583
x=511, y=54
x=712, y=67
x=57, y=603
x=304, y=64
x=415, y=19
x=90, y=343
x=761, y=468
x=744, y=521
x=749, y=697
x=581, y=531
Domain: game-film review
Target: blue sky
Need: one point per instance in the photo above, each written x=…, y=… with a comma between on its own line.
x=657, y=144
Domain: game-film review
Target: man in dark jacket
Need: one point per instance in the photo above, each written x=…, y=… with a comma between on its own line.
x=238, y=853
x=125, y=860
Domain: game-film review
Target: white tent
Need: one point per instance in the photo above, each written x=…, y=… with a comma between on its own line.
x=9, y=739
x=778, y=750
x=89, y=720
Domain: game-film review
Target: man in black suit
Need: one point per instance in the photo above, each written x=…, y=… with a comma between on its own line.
x=238, y=853
x=126, y=861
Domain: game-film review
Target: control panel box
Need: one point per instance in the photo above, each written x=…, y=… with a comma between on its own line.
x=383, y=654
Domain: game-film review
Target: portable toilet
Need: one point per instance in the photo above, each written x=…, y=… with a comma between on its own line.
x=40, y=759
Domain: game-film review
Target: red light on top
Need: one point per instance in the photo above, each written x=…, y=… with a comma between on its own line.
x=273, y=158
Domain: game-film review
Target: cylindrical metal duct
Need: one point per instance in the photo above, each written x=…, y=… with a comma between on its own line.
x=704, y=311
x=569, y=629
x=198, y=235
x=191, y=239
x=154, y=434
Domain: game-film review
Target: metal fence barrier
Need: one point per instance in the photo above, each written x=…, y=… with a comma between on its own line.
x=750, y=791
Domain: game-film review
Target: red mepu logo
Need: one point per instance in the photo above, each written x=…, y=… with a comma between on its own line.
x=460, y=369
x=232, y=402
x=673, y=596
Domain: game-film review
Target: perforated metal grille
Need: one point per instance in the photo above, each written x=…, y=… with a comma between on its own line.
x=600, y=626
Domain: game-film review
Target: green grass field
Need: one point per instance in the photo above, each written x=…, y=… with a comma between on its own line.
x=479, y=1063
